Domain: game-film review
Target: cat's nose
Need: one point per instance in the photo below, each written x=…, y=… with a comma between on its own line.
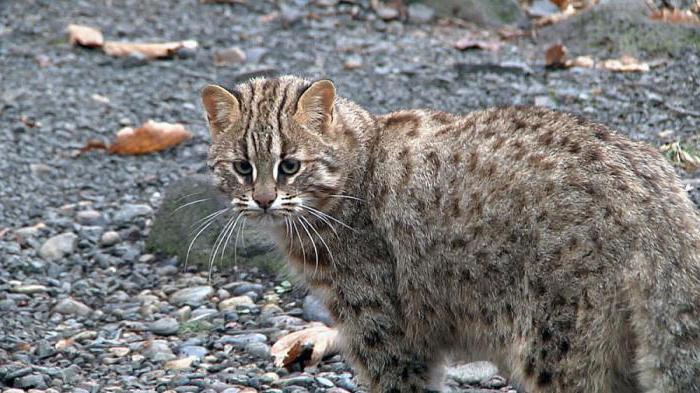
x=265, y=199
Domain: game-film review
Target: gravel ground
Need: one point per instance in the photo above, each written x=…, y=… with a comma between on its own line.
x=83, y=306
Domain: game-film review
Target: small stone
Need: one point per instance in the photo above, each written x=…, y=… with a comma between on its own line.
x=69, y=306
x=545, y=101
x=13, y=391
x=259, y=350
x=89, y=217
x=300, y=380
x=241, y=340
x=228, y=56
x=471, y=373
x=165, y=326
x=325, y=382
x=269, y=378
x=254, y=55
x=387, y=13
x=193, y=296
x=158, y=351
x=40, y=170
x=31, y=381
x=352, y=62
x=110, y=238
x=180, y=364
x=130, y=211
x=495, y=382
x=420, y=13
x=27, y=232
x=232, y=303
x=243, y=288
x=29, y=289
x=193, y=351
x=58, y=246
x=119, y=351
x=314, y=310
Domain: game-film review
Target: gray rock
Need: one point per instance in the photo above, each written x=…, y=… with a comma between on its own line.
x=90, y=217
x=420, y=13
x=110, y=238
x=58, y=246
x=471, y=373
x=165, y=326
x=172, y=229
x=69, y=306
x=129, y=212
x=228, y=56
x=193, y=350
x=259, y=350
x=29, y=289
x=35, y=381
x=325, y=382
x=194, y=296
x=158, y=351
x=314, y=310
x=241, y=340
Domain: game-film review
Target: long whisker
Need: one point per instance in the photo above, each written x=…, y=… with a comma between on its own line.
x=322, y=240
x=201, y=221
x=346, y=196
x=328, y=216
x=301, y=244
x=324, y=220
x=217, y=244
x=188, y=195
x=313, y=243
x=235, y=243
x=203, y=228
x=188, y=204
x=228, y=237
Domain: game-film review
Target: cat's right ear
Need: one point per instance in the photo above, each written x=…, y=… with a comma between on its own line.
x=222, y=109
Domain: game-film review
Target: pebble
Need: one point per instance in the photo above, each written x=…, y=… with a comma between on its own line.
x=129, y=212
x=241, y=340
x=228, y=56
x=325, y=382
x=180, y=364
x=420, y=13
x=259, y=350
x=69, y=306
x=31, y=381
x=471, y=373
x=89, y=217
x=58, y=246
x=27, y=232
x=232, y=303
x=110, y=238
x=165, y=326
x=194, y=296
x=314, y=310
x=158, y=351
x=28, y=289
x=193, y=351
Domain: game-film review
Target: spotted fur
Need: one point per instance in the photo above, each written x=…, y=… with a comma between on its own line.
x=549, y=244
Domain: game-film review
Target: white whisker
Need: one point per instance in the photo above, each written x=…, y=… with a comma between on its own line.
x=301, y=244
x=328, y=216
x=217, y=244
x=235, y=243
x=324, y=220
x=346, y=196
x=322, y=240
x=206, y=224
x=188, y=204
x=313, y=243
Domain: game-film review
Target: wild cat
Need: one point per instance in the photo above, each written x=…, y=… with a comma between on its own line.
x=552, y=245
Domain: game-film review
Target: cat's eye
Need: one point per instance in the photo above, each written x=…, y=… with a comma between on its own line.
x=243, y=168
x=289, y=167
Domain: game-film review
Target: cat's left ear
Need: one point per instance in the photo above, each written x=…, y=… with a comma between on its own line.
x=315, y=106
x=221, y=107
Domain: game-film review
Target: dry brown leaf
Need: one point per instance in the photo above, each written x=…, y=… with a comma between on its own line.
x=93, y=144
x=150, y=50
x=152, y=136
x=319, y=339
x=675, y=16
x=562, y=4
x=581, y=61
x=510, y=32
x=85, y=36
x=556, y=17
x=624, y=64
x=681, y=157
x=474, y=43
x=555, y=57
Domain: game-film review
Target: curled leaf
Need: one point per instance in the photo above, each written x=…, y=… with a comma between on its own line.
x=308, y=346
x=473, y=43
x=149, y=50
x=85, y=36
x=152, y=136
x=676, y=16
x=624, y=64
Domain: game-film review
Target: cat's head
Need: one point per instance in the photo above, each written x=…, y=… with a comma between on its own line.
x=276, y=150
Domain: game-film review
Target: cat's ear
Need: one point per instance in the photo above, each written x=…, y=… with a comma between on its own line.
x=222, y=109
x=315, y=106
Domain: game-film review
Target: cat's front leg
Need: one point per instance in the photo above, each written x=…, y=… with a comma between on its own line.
x=384, y=358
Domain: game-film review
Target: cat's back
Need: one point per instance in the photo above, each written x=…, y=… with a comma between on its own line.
x=502, y=169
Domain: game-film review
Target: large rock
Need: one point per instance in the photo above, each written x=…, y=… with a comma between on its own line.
x=177, y=223
x=58, y=246
x=483, y=12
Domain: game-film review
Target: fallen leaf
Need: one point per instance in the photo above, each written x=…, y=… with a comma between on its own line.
x=149, y=50
x=473, y=43
x=510, y=32
x=562, y=4
x=152, y=136
x=319, y=340
x=680, y=156
x=675, y=16
x=581, y=61
x=624, y=64
x=555, y=57
x=93, y=144
x=568, y=12
x=85, y=36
